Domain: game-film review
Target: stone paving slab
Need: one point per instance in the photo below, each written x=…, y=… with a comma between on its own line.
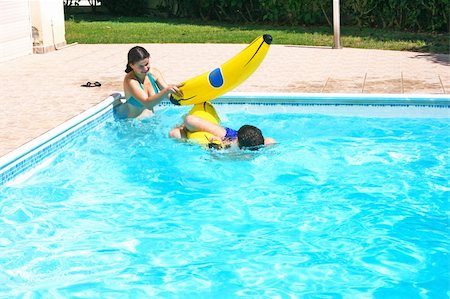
x=41, y=91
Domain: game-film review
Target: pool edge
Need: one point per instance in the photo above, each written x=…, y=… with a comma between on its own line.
x=37, y=150
x=432, y=100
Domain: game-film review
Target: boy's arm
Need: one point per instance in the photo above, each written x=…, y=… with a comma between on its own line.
x=268, y=141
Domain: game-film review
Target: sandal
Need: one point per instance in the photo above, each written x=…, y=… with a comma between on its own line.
x=90, y=84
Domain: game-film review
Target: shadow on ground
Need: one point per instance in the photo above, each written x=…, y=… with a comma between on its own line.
x=443, y=59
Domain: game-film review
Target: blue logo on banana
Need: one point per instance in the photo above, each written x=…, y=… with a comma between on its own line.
x=216, y=78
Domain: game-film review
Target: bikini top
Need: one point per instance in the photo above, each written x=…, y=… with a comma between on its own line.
x=136, y=103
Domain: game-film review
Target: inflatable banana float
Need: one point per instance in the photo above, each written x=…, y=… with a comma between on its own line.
x=213, y=84
x=205, y=111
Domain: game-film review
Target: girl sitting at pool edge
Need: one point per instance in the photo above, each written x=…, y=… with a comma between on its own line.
x=144, y=86
x=247, y=137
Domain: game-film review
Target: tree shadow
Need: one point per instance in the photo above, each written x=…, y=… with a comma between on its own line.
x=443, y=59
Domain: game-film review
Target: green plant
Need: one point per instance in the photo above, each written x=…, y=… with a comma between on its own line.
x=415, y=15
x=411, y=15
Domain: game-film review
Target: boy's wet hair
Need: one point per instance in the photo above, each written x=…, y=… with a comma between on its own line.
x=250, y=137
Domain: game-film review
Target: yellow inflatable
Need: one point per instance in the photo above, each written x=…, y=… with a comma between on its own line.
x=213, y=84
x=206, y=111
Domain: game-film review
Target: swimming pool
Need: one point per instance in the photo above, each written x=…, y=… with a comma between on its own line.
x=350, y=204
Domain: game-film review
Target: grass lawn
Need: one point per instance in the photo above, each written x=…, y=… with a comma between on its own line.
x=87, y=29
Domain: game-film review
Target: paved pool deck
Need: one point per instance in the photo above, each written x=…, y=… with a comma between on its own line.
x=41, y=91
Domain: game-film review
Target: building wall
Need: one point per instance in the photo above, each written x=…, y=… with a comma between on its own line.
x=47, y=18
x=28, y=26
x=15, y=29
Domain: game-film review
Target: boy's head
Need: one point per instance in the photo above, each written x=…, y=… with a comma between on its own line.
x=250, y=137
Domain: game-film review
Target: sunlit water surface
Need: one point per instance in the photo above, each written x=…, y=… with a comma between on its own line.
x=341, y=207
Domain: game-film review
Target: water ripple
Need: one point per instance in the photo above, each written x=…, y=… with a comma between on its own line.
x=341, y=208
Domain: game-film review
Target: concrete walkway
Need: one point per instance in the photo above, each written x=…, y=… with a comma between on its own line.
x=42, y=91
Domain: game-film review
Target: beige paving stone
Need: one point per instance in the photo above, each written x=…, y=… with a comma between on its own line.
x=308, y=86
x=376, y=84
x=426, y=84
x=445, y=82
x=344, y=85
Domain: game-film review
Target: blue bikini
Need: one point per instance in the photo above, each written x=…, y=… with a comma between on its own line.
x=121, y=111
x=132, y=101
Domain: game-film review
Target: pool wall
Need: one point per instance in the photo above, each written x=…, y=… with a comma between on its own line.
x=35, y=152
x=381, y=105
x=335, y=99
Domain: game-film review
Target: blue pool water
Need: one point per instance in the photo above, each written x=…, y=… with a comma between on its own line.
x=342, y=207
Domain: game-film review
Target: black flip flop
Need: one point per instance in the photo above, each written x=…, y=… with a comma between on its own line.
x=90, y=84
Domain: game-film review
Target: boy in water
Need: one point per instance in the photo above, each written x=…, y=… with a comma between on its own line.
x=247, y=137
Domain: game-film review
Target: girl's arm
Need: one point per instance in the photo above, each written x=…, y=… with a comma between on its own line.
x=163, y=85
x=159, y=79
x=133, y=88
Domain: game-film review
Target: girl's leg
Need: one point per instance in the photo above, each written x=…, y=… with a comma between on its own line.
x=120, y=110
x=179, y=132
x=194, y=124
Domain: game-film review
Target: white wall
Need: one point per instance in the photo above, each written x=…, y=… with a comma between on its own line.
x=47, y=18
x=28, y=26
x=15, y=29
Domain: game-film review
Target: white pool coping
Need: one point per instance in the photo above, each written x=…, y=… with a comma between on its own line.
x=338, y=98
x=15, y=162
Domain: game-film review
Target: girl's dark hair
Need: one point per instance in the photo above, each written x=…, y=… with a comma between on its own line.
x=134, y=55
